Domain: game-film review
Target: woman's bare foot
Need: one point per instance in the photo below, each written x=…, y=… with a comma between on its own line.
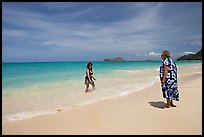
x=167, y=106
x=93, y=87
x=172, y=105
x=168, y=103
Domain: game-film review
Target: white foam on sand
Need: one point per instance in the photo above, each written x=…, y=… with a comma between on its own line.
x=24, y=115
x=199, y=72
x=197, y=66
x=112, y=92
x=128, y=71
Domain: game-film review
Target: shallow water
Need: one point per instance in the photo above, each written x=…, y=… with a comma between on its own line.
x=31, y=89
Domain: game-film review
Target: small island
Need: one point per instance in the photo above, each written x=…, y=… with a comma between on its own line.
x=197, y=56
x=118, y=59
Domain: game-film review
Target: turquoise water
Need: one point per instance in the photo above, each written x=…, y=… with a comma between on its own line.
x=19, y=75
x=29, y=87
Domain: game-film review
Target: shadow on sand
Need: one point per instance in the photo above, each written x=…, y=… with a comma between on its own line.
x=158, y=104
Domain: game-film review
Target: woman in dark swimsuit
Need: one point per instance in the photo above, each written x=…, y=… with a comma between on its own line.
x=89, y=77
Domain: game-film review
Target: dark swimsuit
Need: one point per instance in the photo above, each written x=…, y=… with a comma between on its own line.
x=86, y=78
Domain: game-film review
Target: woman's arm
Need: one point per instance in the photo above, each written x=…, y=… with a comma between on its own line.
x=166, y=69
x=93, y=77
x=87, y=72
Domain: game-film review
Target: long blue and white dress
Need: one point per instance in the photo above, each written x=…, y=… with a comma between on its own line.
x=170, y=84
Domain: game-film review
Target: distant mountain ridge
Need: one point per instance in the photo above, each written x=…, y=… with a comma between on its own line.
x=197, y=56
x=118, y=59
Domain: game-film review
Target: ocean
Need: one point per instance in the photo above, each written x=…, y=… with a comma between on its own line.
x=38, y=88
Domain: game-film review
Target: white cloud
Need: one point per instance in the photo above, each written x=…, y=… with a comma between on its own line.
x=187, y=52
x=13, y=33
x=196, y=42
x=89, y=35
x=58, y=5
x=152, y=53
x=62, y=43
x=142, y=33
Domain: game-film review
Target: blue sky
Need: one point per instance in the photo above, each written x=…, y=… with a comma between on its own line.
x=77, y=31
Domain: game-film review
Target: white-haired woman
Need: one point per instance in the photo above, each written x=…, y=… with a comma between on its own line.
x=168, y=77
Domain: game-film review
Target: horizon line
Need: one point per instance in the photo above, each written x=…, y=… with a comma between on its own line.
x=73, y=61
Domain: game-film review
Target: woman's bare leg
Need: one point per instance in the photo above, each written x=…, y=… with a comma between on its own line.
x=172, y=104
x=87, y=86
x=168, y=104
x=94, y=86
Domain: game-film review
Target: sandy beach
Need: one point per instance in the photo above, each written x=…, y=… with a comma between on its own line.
x=141, y=112
x=77, y=68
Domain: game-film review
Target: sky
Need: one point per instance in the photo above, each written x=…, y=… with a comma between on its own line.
x=93, y=31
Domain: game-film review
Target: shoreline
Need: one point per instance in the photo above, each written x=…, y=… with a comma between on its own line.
x=30, y=114
x=33, y=114
x=90, y=118
x=114, y=86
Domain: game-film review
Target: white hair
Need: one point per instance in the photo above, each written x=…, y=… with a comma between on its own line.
x=166, y=53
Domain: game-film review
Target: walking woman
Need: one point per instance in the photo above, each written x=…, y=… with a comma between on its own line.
x=168, y=77
x=89, y=77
